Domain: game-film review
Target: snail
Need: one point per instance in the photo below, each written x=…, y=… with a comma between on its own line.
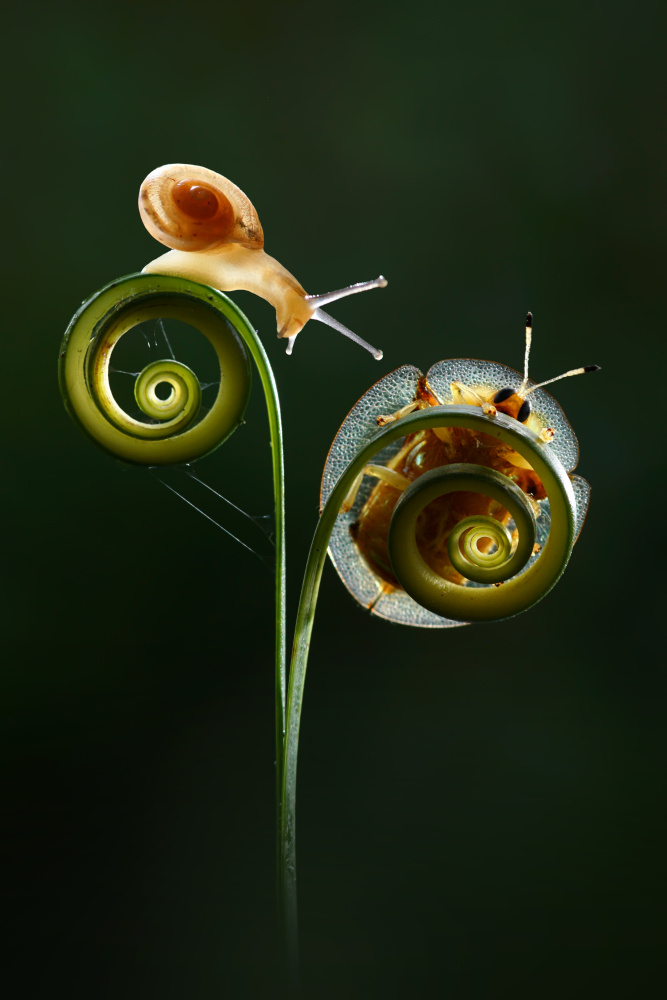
x=217, y=239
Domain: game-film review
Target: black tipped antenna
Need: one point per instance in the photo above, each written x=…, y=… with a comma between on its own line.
x=573, y=371
x=523, y=391
x=529, y=340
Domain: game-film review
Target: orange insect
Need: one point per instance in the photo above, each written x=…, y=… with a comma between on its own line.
x=359, y=544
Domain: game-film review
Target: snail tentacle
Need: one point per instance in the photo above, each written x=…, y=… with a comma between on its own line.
x=216, y=238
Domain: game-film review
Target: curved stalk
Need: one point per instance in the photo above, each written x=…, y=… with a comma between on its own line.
x=536, y=581
x=267, y=379
x=83, y=373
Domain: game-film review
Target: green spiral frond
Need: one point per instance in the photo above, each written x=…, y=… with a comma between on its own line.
x=184, y=397
x=519, y=591
x=464, y=547
x=172, y=434
x=502, y=583
x=467, y=542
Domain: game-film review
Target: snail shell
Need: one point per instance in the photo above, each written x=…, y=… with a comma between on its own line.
x=192, y=208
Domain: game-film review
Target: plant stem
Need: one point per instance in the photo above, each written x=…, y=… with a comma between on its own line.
x=83, y=372
x=275, y=426
x=286, y=890
x=562, y=500
x=256, y=348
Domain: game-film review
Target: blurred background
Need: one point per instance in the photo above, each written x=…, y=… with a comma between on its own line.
x=481, y=810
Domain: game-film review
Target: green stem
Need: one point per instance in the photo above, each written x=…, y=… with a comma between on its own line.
x=273, y=408
x=552, y=563
x=256, y=348
x=83, y=372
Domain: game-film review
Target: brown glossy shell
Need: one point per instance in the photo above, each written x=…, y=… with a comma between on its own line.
x=187, y=207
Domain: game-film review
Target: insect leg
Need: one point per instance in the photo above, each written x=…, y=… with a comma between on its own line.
x=381, y=472
x=385, y=419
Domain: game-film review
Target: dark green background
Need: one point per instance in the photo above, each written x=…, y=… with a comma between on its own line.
x=481, y=811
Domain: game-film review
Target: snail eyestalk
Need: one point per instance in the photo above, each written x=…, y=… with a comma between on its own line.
x=325, y=298
x=323, y=317
x=322, y=300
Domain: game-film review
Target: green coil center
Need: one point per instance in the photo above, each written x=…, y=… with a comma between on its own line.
x=176, y=430
x=181, y=391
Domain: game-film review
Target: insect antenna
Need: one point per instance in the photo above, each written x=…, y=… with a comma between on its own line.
x=523, y=391
x=573, y=371
x=529, y=340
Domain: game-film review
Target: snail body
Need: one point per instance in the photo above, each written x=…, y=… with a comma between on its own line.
x=216, y=238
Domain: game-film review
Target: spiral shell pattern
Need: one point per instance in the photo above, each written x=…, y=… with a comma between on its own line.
x=192, y=208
